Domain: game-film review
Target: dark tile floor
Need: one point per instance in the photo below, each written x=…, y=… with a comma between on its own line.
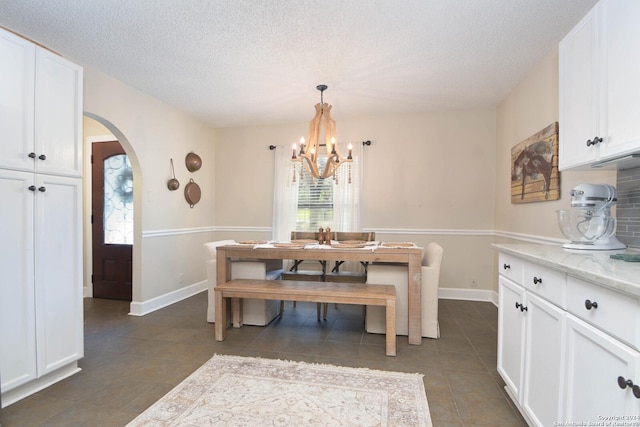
x=130, y=362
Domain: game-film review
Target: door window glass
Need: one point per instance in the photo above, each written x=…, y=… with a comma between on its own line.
x=118, y=200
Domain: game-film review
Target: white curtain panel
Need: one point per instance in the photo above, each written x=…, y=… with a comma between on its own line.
x=285, y=195
x=346, y=197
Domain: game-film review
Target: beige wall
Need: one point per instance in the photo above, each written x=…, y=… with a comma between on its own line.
x=438, y=176
x=529, y=108
x=428, y=177
x=168, y=233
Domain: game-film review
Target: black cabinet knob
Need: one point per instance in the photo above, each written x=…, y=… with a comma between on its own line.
x=589, y=305
x=32, y=155
x=42, y=157
x=507, y=266
x=42, y=189
x=32, y=188
x=536, y=280
x=594, y=141
x=624, y=383
x=521, y=307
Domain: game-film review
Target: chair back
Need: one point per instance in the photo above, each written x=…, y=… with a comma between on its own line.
x=433, y=258
x=341, y=236
x=210, y=248
x=304, y=235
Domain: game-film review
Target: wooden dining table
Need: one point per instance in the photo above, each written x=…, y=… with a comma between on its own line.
x=411, y=256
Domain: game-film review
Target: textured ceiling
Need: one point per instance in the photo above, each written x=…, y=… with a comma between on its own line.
x=250, y=62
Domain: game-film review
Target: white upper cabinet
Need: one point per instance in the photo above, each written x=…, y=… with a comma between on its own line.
x=599, y=88
x=58, y=115
x=17, y=83
x=620, y=91
x=40, y=109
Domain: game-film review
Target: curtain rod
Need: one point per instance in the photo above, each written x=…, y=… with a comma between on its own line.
x=367, y=142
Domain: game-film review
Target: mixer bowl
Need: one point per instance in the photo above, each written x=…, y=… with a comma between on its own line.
x=586, y=225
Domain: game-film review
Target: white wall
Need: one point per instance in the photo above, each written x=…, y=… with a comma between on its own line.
x=428, y=177
x=530, y=107
x=436, y=176
x=168, y=233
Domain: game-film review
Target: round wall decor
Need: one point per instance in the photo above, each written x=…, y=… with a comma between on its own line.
x=193, y=162
x=192, y=193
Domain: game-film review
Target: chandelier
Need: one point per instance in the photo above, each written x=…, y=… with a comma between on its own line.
x=322, y=126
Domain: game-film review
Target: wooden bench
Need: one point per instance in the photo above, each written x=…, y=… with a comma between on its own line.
x=288, y=290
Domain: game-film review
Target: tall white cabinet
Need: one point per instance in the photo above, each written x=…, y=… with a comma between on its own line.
x=41, y=313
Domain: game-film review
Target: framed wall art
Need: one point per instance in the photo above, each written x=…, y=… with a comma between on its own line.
x=534, y=168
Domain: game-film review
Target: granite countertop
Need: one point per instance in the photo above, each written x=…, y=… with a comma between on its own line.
x=594, y=266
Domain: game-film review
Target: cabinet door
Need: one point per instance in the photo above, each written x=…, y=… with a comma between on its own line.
x=58, y=115
x=594, y=363
x=620, y=89
x=17, y=62
x=58, y=271
x=17, y=300
x=579, y=104
x=510, y=334
x=544, y=357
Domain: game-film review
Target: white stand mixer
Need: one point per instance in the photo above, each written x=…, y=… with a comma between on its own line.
x=590, y=226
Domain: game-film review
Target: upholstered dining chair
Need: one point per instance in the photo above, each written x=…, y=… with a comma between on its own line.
x=254, y=312
x=397, y=275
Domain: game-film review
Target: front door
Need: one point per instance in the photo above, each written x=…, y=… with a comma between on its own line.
x=112, y=221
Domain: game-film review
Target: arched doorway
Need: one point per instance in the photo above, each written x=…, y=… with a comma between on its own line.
x=98, y=130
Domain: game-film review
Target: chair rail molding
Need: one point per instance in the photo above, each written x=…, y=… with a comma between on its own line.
x=530, y=238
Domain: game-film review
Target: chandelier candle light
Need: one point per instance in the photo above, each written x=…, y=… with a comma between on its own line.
x=308, y=155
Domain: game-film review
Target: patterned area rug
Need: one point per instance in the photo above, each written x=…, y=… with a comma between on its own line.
x=246, y=391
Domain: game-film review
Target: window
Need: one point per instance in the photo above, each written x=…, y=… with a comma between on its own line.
x=315, y=201
x=307, y=205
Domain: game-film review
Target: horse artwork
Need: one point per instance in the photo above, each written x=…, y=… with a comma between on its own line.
x=534, y=168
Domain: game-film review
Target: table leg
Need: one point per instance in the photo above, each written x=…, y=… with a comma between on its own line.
x=220, y=326
x=415, y=302
x=391, y=327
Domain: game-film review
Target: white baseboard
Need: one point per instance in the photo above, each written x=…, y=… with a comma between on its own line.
x=469, y=295
x=32, y=387
x=146, y=307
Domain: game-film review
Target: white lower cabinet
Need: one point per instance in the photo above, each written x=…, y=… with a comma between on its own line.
x=568, y=349
x=41, y=330
x=531, y=352
x=511, y=335
x=543, y=361
x=594, y=362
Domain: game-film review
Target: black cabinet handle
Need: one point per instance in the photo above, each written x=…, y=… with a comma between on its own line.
x=521, y=307
x=32, y=155
x=42, y=189
x=594, y=141
x=507, y=266
x=32, y=188
x=536, y=280
x=42, y=157
x=589, y=305
x=624, y=383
